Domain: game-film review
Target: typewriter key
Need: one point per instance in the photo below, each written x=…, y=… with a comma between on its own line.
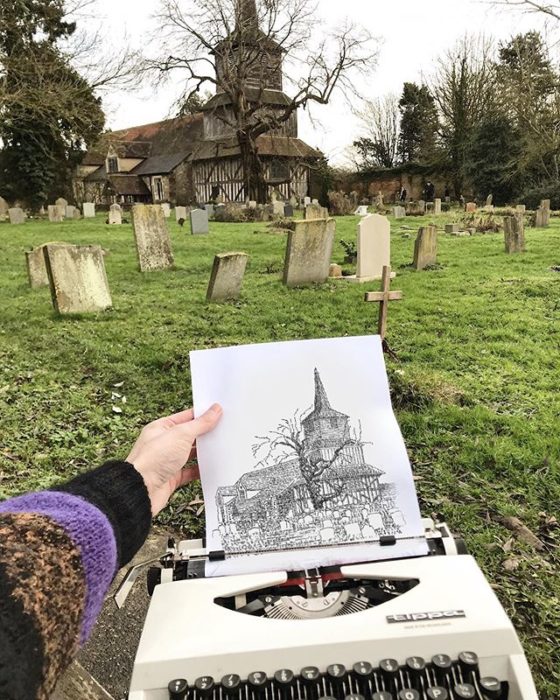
x=441, y=664
x=464, y=691
x=284, y=680
x=389, y=672
x=415, y=665
x=382, y=696
x=491, y=688
x=231, y=684
x=468, y=661
x=178, y=689
x=204, y=686
x=409, y=694
x=437, y=693
x=257, y=682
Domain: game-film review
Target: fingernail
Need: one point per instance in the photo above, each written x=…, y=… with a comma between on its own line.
x=216, y=408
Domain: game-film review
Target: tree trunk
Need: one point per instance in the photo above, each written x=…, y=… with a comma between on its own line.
x=254, y=183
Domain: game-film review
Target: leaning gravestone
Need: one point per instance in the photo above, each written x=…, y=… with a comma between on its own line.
x=3, y=208
x=77, y=278
x=514, y=233
x=166, y=209
x=36, y=268
x=61, y=203
x=227, y=276
x=425, y=249
x=542, y=217
x=288, y=211
x=153, y=245
x=308, y=252
x=316, y=211
x=70, y=210
x=17, y=215
x=180, y=213
x=374, y=247
x=199, y=222
x=115, y=215
x=89, y=210
x=55, y=216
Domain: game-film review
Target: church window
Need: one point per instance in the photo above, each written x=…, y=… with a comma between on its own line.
x=279, y=170
x=112, y=164
x=158, y=185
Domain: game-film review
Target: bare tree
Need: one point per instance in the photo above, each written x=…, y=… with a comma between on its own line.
x=463, y=88
x=549, y=9
x=238, y=47
x=380, y=122
x=288, y=441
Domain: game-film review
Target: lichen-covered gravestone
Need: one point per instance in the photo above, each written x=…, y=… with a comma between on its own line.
x=514, y=233
x=542, y=217
x=316, y=211
x=199, y=221
x=89, y=210
x=308, y=252
x=70, y=210
x=17, y=215
x=180, y=213
x=153, y=244
x=55, y=216
x=36, y=265
x=374, y=247
x=521, y=208
x=3, y=208
x=61, y=203
x=209, y=208
x=278, y=208
x=166, y=209
x=399, y=212
x=77, y=278
x=425, y=249
x=437, y=206
x=115, y=215
x=227, y=276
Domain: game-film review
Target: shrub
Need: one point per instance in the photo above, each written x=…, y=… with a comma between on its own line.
x=341, y=204
x=532, y=197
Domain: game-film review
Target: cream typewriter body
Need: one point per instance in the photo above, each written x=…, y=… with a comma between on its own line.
x=427, y=628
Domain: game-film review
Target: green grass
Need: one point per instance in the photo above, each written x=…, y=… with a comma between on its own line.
x=475, y=387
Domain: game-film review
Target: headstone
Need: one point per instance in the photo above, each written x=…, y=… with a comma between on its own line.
x=306, y=201
x=227, y=276
x=308, y=252
x=180, y=213
x=521, y=208
x=89, y=210
x=294, y=202
x=399, y=212
x=362, y=210
x=514, y=233
x=545, y=204
x=379, y=200
x=115, y=214
x=470, y=207
x=152, y=237
x=437, y=206
x=199, y=221
x=374, y=247
x=166, y=209
x=69, y=213
x=452, y=228
x=425, y=249
x=277, y=207
x=542, y=217
x=316, y=211
x=37, y=268
x=209, y=210
x=252, y=204
x=3, y=208
x=422, y=206
x=489, y=200
x=61, y=203
x=430, y=207
x=77, y=214
x=314, y=201
x=77, y=278
x=489, y=208
x=335, y=271
x=17, y=215
x=288, y=211
x=54, y=214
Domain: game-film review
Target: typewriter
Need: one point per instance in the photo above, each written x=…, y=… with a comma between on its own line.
x=425, y=628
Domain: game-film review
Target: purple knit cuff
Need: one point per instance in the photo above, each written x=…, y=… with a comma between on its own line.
x=90, y=532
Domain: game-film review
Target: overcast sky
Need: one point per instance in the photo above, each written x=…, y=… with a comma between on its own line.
x=412, y=34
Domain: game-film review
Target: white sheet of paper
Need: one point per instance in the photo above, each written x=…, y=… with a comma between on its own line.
x=308, y=466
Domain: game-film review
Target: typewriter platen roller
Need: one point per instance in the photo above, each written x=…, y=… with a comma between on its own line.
x=427, y=628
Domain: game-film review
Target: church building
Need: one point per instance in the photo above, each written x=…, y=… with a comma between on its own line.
x=197, y=158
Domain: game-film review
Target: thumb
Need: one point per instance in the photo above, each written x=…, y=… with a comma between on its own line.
x=201, y=425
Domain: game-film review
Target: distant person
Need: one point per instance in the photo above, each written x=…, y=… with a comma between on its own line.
x=430, y=191
x=60, y=550
x=403, y=194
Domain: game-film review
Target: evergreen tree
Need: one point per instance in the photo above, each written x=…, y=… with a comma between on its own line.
x=419, y=124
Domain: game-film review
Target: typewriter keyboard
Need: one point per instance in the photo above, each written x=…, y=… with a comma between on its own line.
x=438, y=678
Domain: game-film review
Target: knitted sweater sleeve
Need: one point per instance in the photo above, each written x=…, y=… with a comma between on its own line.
x=59, y=552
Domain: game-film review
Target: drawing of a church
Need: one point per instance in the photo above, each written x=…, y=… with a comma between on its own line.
x=325, y=493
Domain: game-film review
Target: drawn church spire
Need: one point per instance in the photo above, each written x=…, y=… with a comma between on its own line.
x=247, y=18
x=322, y=402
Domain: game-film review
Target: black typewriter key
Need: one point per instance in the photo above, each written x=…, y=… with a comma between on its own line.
x=362, y=673
x=204, y=686
x=436, y=692
x=409, y=694
x=336, y=675
x=310, y=677
x=491, y=688
x=389, y=672
x=442, y=667
x=178, y=689
x=464, y=691
x=231, y=685
x=284, y=681
x=468, y=663
x=382, y=696
x=416, y=667
x=257, y=683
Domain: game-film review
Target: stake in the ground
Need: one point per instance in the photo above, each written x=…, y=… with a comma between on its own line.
x=383, y=298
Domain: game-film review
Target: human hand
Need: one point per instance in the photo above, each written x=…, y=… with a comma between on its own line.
x=164, y=448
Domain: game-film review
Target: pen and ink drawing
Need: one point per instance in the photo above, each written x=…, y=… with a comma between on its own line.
x=310, y=486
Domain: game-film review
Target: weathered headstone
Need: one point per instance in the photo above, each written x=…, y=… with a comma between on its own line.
x=314, y=201
x=490, y=200
x=180, y=213
x=89, y=210
x=252, y=204
x=306, y=201
x=36, y=268
x=545, y=204
x=69, y=213
x=399, y=212
x=335, y=271
x=521, y=208
x=209, y=210
x=470, y=207
x=452, y=228
x=166, y=209
x=308, y=252
x=430, y=207
x=425, y=248
x=61, y=203
x=362, y=210
x=542, y=217
x=55, y=216
x=227, y=276
x=373, y=247
x=277, y=207
x=17, y=215
x=152, y=237
x=3, y=208
x=77, y=214
x=294, y=201
x=437, y=206
x=422, y=206
x=316, y=211
x=288, y=211
x=77, y=278
x=115, y=215
x=199, y=221
x=514, y=233
x=379, y=200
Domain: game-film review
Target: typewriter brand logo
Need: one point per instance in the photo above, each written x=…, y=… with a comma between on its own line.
x=422, y=617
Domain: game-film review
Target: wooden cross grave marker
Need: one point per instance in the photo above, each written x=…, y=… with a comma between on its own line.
x=383, y=298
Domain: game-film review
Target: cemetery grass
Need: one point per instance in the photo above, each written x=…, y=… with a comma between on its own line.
x=475, y=386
